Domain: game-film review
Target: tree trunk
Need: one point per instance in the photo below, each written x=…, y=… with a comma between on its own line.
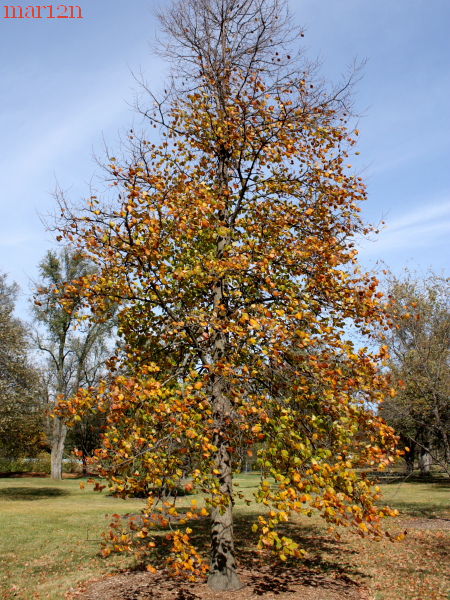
x=58, y=441
x=424, y=462
x=409, y=459
x=84, y=471
x=223, y=574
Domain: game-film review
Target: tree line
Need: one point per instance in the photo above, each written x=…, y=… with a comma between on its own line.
x=47, y=359
x=71, y=355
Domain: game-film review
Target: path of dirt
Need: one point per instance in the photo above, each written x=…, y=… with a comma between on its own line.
x=265, y=584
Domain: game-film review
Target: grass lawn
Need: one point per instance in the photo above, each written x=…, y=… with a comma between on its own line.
x=50, y=533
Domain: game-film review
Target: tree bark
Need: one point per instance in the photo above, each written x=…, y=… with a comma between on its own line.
x=58, y=441
x=223, y=574
x=424, y=463
x=409, y=458
x=84, y=471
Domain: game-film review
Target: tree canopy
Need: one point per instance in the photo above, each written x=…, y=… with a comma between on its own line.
x=21, y=401
x=74, y=349
x=420, y=367
x=229, y=250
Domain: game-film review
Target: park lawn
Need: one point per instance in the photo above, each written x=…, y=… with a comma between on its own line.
x=50, y=534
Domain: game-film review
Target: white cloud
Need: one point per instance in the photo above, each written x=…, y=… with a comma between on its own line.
x=424, y=226
x=421, y=215
x=48, y=145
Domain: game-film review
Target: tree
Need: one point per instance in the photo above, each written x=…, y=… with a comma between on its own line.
x=21, y=412
x=420, y=367
x=85, y=436
x=76, y=350
x=229, y=250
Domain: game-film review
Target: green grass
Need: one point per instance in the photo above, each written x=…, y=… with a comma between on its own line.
x=429, y=500
x=50, y=534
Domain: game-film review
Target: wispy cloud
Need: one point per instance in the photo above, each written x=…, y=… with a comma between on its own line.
x=47, y=145
x=420, y=227
x=405, y=154
x=421, y=215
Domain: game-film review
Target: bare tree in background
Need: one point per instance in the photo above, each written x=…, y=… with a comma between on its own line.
x=75, y=349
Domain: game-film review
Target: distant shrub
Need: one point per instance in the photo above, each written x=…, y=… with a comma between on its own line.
x=39, y=464
x=72, y=465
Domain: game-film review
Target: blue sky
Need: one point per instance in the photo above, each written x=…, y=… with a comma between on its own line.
x=65, y=86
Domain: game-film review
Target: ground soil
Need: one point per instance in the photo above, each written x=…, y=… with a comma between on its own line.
x=268, y=583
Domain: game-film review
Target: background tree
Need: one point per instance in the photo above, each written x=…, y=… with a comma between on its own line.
x=420, y=367
x=85, y=436
x=21, y=402
x=229, y=250
x=76, y=350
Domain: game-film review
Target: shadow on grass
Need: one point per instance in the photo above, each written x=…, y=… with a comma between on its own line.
x=422, y=509
x=22, y=474
x=328, y=564
x=440, y=482
x=31, y=493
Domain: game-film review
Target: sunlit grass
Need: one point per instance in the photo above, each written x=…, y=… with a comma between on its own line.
x=50, y=535
x=430, y=500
